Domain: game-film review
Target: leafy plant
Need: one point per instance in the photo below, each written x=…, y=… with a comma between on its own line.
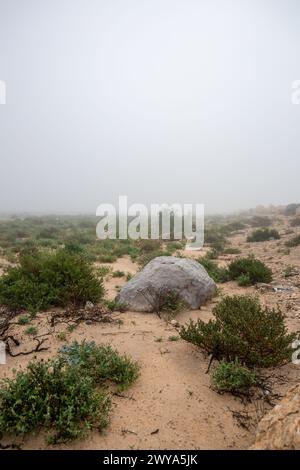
x=31, y=330
x=242, y=330
x=101, y=362
x=24, y=320
x=254, y=269
x=50, y=279
x=52, y=395
x=63, y=395
x=233, y=377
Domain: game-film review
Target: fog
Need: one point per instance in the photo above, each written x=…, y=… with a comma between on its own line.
x=176, y=101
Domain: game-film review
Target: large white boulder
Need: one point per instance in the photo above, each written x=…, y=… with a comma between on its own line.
x=183, y=276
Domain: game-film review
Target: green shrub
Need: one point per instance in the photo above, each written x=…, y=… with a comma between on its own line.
x=104, y=270
x=242, y=330
x=262, y=235
x=244, y=280
x=251, y=269
x=213, y=270
x=63, y=395
x=52, y=395
x=171, y=303
x=101, y=362
x=233, y=227
x=31, y=330
x=293, y=242
x=114, y=305
x=118, y=273
x=233, y=377
x=24, y=320
x=45, y=280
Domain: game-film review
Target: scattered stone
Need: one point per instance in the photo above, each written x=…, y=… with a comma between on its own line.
x=89, y=305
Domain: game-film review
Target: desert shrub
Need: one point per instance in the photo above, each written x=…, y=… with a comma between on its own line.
x=163, y=301
x=171, y=303
x=50, y=279
x=233, y=227
x=262, y=235
x=64, y=395
x=231, y=251
x=254, y=269
x=31, y=330
x=233, y=377
x=213, y=270
x=24, y=320
x=260, y=221
x=104, y=270
x=106, y=258
x=55, y=396
x=114, y=305
x=118, y=273
x=242, y=330
x=244, y=280
x=101, y=362
x=293, y=242
x=295, y=222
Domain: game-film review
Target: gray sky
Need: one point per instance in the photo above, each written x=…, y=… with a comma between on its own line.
x=161, y=100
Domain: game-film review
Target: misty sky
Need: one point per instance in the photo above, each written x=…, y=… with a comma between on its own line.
x=183, y=101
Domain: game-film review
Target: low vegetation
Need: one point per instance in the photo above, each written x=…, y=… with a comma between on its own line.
x=242, y=330
x=65, y=395
x=50, y=279
x=213, y=270
x=262, y=235
x=233, y=377
x=248, y=271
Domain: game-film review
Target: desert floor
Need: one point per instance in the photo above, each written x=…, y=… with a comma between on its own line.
x=172, y=404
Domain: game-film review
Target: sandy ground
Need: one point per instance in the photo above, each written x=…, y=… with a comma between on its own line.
x=172, y=405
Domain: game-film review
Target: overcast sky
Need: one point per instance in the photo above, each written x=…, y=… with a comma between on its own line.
x=183, y=101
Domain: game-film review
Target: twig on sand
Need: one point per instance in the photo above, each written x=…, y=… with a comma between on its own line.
x=211, y=358
x=38, y=348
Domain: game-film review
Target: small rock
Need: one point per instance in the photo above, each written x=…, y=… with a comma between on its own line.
x=89, y=305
